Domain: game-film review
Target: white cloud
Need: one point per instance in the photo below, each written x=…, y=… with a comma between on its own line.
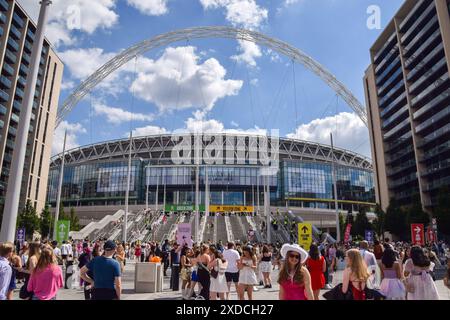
x=249, y=52
x=148, y=131
x=67, y=85
x=117, y=115
x=234, y=124
x=83, y=15
x=241, y=13
x=150, y=7
x=83, y=62
x=351, y=133
x=289, y=2
x=73, y=129
x=178, y=81
x=254, y=82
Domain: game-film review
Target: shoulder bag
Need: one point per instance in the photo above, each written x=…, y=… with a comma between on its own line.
x=215, y=273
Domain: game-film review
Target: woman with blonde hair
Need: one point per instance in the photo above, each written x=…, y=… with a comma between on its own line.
x=120, y=257
x=355, y=275
x=294, y=278
x=46, y=279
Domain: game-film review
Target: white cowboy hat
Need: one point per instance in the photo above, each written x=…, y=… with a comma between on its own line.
x=294, y=247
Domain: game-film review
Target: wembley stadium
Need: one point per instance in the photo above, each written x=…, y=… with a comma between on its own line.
x=95, y=179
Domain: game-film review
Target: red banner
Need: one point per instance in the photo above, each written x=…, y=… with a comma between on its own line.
x=417, y=234
x=431, y=235
x=347, y=233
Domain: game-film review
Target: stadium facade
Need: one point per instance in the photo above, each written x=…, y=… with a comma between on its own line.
x=96, y=175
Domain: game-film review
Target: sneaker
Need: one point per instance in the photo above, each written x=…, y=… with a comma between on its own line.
x=255, y=288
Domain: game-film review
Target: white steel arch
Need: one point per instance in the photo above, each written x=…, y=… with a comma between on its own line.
x=210, y=32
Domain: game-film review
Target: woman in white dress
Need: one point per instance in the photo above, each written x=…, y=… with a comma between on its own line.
x=219, y=283
x=247, y=275
x=420, y=284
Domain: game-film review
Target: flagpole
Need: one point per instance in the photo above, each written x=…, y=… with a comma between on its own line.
x=333, y=174
x=58, y=198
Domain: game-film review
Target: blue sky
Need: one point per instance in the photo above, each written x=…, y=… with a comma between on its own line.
x=214, y=84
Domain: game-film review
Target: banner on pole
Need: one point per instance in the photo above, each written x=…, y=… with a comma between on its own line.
x=62, y=230
x=347, y=232
x=369, y=236
x=184, y=234
x=417, y=234
x=21, y=235
x=305, y=235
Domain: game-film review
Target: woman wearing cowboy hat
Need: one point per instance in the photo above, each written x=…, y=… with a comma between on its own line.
x=294, y=279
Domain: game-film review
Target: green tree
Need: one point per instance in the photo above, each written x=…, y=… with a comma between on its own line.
x=442, y=211
x=46, y=222
x=28, y=219
x=396, y=220
x=379, y=224
x=74, y=221
x=361, y=224
x=415, y=213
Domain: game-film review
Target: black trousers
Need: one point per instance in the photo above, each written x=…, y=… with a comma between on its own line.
x=166, y=264
x=205, y=281
x=104, y=294
x=175, y=278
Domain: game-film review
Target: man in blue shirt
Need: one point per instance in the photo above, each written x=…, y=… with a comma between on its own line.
x=6, y=250
x=106, y=281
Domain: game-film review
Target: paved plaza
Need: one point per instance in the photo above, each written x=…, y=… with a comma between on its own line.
x=128, y=292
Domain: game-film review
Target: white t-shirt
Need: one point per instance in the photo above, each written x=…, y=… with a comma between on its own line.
x=66, y=249
x=232, y=256
x=369, y=257
x=57, y=251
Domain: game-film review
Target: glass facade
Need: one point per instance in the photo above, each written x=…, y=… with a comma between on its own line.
x=105, y=184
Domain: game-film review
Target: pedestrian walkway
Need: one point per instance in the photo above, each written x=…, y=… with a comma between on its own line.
x=167, y=294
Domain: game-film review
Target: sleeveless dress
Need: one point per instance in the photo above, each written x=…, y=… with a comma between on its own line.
x=315, y=268
x=423, y=284
x=358, y=293
x=247, y=275
x=293, y=290
x=219, y=284
x=391, y=286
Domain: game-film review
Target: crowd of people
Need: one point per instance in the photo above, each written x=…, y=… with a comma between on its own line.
x=206, y=271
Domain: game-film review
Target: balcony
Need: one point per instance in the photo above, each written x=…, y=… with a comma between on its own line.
x=412, y=15
x=391, y=106
x=15, y=32
x=431, y=104
x=427, y=62
x=21, y=80
x=403, y=180
x=11, y=57
x=15, y=117
x=436, y=151
x=406, y=165
x=18, y=20
x=4, y=5
x=436, y=134
x=421, y=99
x=435, y=118
x=386, y=47
x=2, y=18
x=414, y=56
x=19, y=93
x=392, y=78
x=5, y=81
x=395, y=116
x=392, y=92
x=387, y=61
x=418, y=24
x=440, y=67
x=24, y=68
x=438, y=166
x=3, y=110
x=17, y=105
x=402, y=125
x=437, y=184
x=4, y=96
x=10, y=144
x=12, y=131
x=26, y=58
x=13, y=44
x=399, y=141
x=30, y=34
x=28, y=46
x=8, y=69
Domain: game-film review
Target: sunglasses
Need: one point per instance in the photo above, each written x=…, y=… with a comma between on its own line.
x=296, y=256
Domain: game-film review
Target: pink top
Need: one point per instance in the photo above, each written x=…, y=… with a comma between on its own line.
x=45, y=283
x=293, y=291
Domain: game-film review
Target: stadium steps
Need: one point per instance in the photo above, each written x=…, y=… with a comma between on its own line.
x=237, y=228
x=222, y=233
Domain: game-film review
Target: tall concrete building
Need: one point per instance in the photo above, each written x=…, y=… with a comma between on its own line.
x=407, y=90
x=16, y=41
